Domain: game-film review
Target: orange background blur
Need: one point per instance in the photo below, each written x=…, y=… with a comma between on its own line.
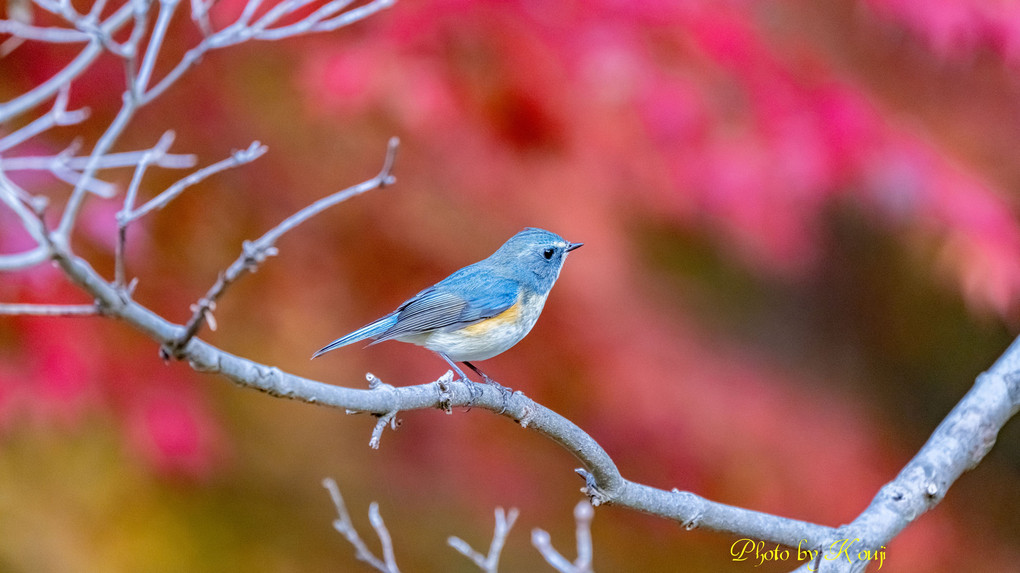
x=801, y=246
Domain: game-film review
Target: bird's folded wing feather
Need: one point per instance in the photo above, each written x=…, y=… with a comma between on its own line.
x=444, y=307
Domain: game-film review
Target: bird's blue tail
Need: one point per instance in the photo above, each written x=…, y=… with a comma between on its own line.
x=370, y=330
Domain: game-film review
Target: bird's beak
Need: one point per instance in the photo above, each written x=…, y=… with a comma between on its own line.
x=573, y=246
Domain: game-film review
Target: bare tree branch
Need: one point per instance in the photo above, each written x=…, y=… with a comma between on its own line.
x=166, y=12
x=24, y=260
x=387, y=419
x=604, y=484
x=65, y=166
x=74, y=69
x=25, y=206
x=157, y=152
x=137, y=93
x=375, y=518
x=58, y=115
x=48, y=309
x=490, y=562
x=253, y=152
x=105, y=143
x=242, y=31
x=346, y=528
x=111, y=161
x=583, y=514
x=50, y=35
x=959, y=444
x=254, y=253
x=325, y=19
x=60, y=8
x=200, y=15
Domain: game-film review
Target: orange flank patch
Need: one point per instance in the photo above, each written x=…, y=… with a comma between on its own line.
x=506, y=318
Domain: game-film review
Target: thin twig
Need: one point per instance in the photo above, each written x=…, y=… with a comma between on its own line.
x=128, y=51
x=105, y=143
x=74, y=178
x=131, y=103
x=541, y=540
x=255, y=252
x=583, y=514
x=242, y=30
x=15, y=309
x=64, y=77
x=47, y=34
x=23, y=205
x=96, y=11
x=326, y=11
x=57, y=116
x=111, y=161
x=246, y=15
x=200, y=15
x=166, y=13
x=60, y=8
x=190, y=58
x=152, y=155
x=24, y=260
x=253, y=152
x=344, y=526
x=64, y=165
x=489, y=563
x=389, y=418
x=351, y=16
x=279, y=11
x=375, y=518
x=385, y=178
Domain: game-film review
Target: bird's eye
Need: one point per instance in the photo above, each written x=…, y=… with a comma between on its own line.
x=548, y=253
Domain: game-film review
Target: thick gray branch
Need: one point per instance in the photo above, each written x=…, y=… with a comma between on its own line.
x=604, y=482
x=959, y=443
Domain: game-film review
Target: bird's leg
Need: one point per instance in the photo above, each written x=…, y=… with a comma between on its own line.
x=463, y=377
x=485, y=377
x=506, y=392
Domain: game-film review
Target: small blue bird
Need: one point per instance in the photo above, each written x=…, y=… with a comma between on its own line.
x=479, y=311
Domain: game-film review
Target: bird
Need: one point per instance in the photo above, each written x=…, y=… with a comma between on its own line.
x=480, y=310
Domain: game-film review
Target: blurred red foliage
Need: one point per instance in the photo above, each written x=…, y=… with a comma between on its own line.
x=693, y=102
x=956, y=30
x=172, y=431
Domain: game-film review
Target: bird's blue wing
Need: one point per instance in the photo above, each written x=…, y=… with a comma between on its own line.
x=465, y=297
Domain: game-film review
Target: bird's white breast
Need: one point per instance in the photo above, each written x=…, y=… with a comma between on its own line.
x=489, y=337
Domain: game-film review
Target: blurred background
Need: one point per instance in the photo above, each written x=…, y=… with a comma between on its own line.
x=801, y=246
